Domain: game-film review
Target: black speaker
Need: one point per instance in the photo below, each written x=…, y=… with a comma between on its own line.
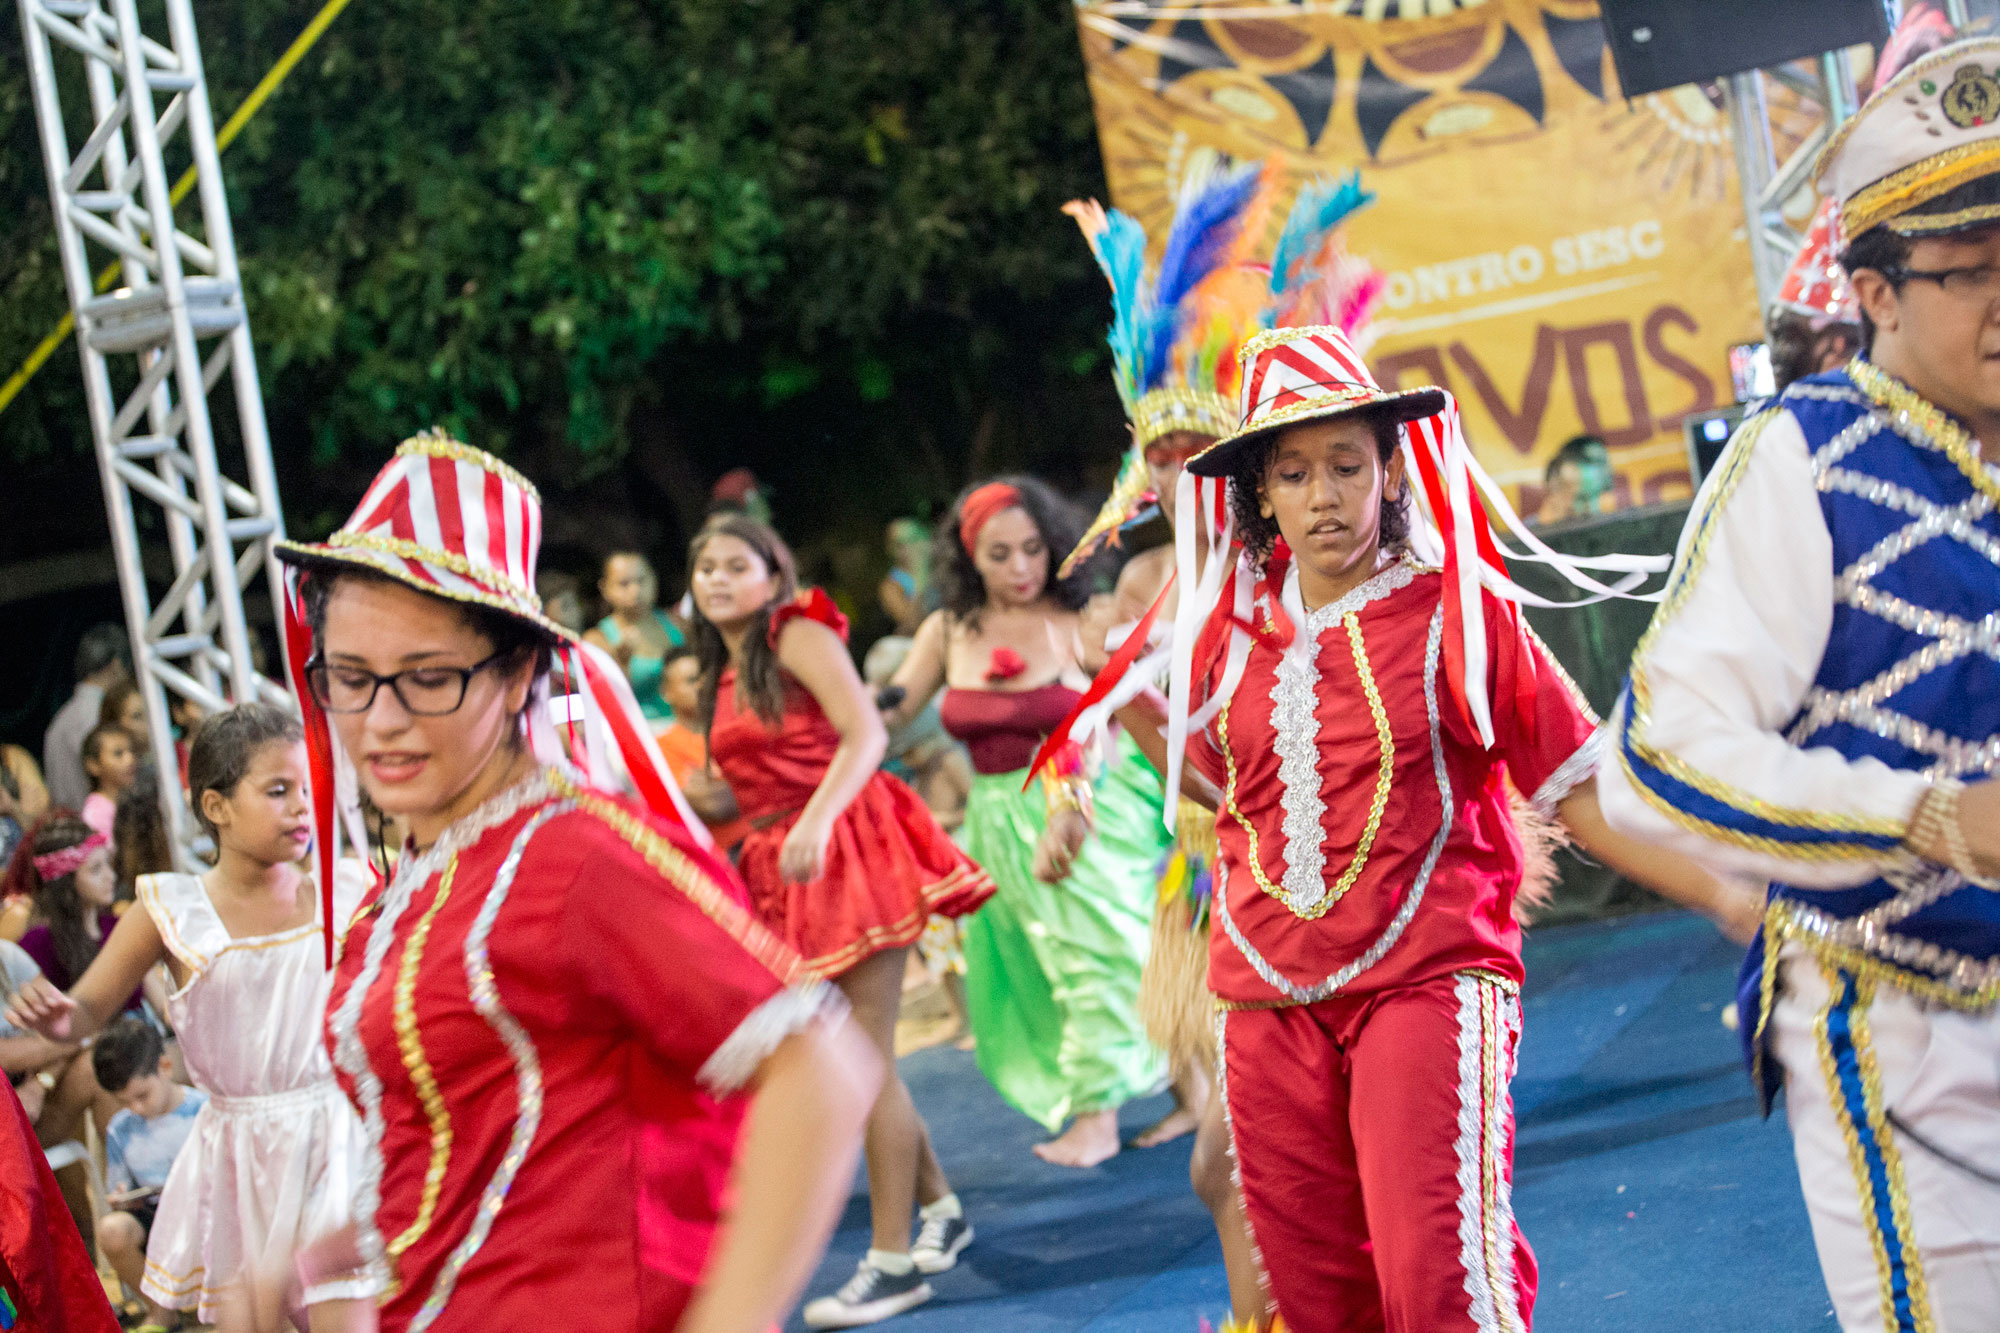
x=1708, y=435
x=1664, y=43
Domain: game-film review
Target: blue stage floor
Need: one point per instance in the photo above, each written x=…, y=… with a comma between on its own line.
x=1653, y=1194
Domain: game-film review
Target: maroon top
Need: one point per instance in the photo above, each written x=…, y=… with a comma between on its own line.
x=1003, y=728
x=40, y=945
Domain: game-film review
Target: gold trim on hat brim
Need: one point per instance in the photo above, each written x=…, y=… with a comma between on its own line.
x=1938, y=224
x=1893, y=197
x=1403, y=406
x=320, y=556
x=1164, y=411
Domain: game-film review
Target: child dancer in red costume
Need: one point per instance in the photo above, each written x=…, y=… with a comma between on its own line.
x=546, y=1018
x=1361, y=714
x=844, y=863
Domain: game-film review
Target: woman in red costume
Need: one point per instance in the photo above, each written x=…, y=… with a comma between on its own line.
x=1364, y=951
x=550, y=1016
x=844, y=863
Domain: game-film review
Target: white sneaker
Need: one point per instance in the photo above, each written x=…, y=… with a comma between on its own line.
x=869, y=1297
x=939, y=1243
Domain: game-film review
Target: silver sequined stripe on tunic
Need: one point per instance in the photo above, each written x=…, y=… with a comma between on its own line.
x=348, y=1051
x=1394, y=931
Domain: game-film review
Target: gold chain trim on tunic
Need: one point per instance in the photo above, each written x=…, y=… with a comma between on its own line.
x=1929, y=419
x=1385, y=777
x=409, y=1042
x=661, y=854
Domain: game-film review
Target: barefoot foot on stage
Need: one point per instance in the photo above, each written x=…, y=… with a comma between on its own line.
x=1181, y=1120
x=1089, y=1141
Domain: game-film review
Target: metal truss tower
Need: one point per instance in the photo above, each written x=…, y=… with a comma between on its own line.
x=179, y=315
x=1766, y=183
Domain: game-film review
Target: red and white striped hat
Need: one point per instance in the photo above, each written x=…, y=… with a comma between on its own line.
x=457, y=523
x=449, y=520
x=1304, y=374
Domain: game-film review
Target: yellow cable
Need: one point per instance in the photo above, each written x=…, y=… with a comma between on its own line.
x=223, y=138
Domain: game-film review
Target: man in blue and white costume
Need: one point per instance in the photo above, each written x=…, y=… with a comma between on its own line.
x=1818, y=703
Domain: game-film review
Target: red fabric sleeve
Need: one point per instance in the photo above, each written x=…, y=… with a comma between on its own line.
x=1562, y=721
x=813, y=604
x=659, y=935
x=44, y=1269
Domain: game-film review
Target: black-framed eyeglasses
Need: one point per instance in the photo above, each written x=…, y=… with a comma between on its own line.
x=426, y=691
x=1977, y=283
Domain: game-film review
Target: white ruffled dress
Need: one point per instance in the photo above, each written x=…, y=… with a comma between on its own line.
x=272, y=1159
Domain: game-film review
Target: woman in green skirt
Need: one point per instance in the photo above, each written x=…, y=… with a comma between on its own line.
x=1053, y=959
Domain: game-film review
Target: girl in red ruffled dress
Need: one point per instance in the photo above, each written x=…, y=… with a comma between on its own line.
x=844, y=863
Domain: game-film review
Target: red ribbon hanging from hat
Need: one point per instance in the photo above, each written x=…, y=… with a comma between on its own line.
x=319, y=753
x=1437, y=444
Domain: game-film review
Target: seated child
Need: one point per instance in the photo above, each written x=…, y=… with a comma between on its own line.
x=140, y=1146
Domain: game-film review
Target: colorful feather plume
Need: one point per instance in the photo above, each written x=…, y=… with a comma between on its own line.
x=1207, y=224
x=1322, y=205
x=1345, y=291
x=1119, y=243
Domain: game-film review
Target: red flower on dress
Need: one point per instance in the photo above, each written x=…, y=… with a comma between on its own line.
x=1005, y=665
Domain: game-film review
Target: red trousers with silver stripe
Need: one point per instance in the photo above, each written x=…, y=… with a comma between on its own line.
x=1374, y=1137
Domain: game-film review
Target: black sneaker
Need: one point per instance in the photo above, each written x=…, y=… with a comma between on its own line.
x=939, y=1243
x=869, y=1297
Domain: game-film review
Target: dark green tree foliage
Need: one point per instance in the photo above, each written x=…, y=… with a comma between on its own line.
x=629, y=245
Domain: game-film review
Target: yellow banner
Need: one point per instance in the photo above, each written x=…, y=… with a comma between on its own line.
x=1563, y=260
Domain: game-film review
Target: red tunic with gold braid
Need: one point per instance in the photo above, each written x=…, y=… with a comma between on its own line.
x=543, y=1021
x=1367, y=958
x=1366, y=833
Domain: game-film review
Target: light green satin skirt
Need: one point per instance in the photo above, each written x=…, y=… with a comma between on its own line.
x=1052, y=970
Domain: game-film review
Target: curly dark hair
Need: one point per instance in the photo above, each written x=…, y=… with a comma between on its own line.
x=760, y=679
x=1259, y=534
x=1055, y=518
x=140, y=843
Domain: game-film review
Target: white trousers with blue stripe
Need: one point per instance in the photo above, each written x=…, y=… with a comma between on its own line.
x=1908, y=1242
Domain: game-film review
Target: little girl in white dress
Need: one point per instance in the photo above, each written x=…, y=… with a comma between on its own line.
x=271, y=1161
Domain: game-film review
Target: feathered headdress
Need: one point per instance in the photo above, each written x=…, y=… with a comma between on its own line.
x=1175, y=332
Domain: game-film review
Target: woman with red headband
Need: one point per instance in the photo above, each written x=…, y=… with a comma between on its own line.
x=1052, y=963
x=568, y=1038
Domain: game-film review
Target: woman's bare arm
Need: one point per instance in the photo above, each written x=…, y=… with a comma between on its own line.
x=33, y=802
x=119, y=968
x=1736, y=910
x=791, y=1178
x=817, y=658
x=923, y=672
x=1145, y=718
